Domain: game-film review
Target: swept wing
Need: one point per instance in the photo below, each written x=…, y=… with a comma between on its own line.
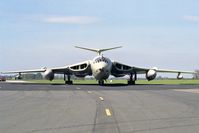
x=80, y=69
x=120, y=69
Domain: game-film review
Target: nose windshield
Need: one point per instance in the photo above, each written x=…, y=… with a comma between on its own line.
x=101, y=59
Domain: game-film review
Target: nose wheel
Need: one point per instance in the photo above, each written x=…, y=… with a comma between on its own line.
x=101, y=82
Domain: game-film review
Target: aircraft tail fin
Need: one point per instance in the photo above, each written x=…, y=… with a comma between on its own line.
x=98, y=51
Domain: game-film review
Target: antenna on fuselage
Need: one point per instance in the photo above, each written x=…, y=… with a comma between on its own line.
x=98, y=51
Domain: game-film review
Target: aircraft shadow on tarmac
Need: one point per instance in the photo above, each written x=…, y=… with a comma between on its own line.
x=115, y=85
x=105, y=85
x=94, y=87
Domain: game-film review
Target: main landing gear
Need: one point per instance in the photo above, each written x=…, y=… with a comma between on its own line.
x=69, y=82
x=132, y=79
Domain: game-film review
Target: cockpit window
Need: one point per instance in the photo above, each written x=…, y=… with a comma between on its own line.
x=100, y=59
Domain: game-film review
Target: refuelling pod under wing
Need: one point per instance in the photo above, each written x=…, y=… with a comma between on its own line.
x=48, y=74
x=18, y=77
x=151, y=74
x=80, y=70
x=179, y=76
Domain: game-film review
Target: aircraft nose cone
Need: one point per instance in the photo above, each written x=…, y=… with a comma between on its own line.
x=101, y=69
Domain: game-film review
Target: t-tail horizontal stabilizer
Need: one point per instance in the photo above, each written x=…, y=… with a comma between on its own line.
x=98, y=51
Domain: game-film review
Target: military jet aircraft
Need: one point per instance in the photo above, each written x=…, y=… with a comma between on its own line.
x=100, y=68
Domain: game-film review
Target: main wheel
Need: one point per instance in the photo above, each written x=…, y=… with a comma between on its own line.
x=69, y=82
x=131, y=82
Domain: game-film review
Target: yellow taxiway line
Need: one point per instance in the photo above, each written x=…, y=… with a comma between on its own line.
x=101, y=98
x=108, y=112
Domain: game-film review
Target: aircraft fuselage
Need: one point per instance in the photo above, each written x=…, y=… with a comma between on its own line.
x=101, y=67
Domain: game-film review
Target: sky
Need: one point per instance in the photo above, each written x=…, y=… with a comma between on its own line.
x=43, y=33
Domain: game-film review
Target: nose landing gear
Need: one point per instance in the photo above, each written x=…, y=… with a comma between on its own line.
x=101, y=82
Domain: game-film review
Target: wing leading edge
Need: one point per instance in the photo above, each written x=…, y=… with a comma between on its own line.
x=25, y=71
x=122, y=69
x=80, y=69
